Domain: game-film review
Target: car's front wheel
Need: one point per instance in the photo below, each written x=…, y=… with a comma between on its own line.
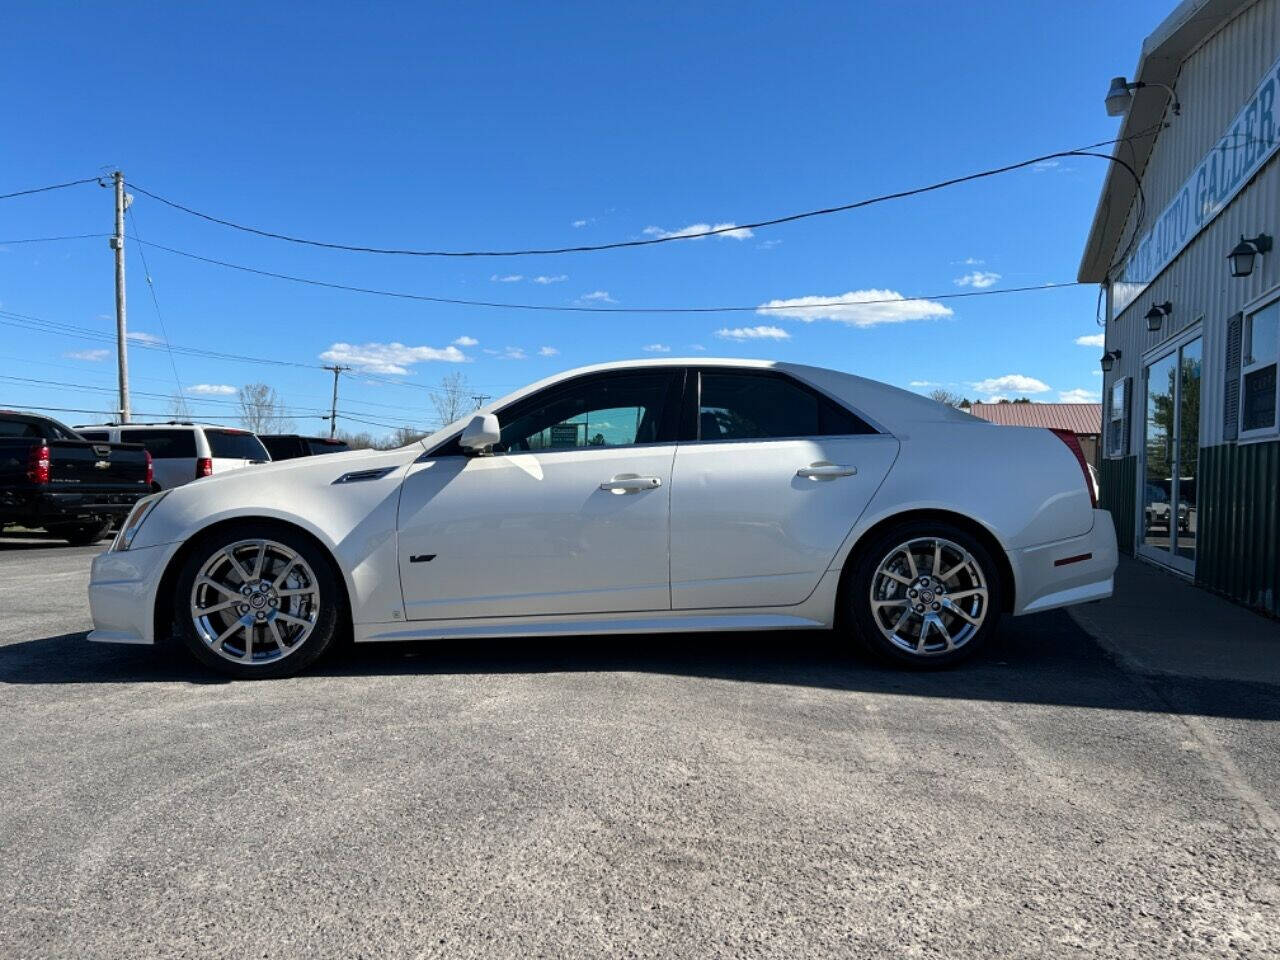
x=923, y=595
x=258, y=601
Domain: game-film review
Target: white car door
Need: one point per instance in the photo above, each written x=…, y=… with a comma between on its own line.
x=569, y=515
x=761, y=502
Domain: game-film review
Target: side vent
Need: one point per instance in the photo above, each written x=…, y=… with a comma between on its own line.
x=360, y=476
x=1231, y=380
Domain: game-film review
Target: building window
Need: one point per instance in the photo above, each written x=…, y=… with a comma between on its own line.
x=1258, y=413
x=1117, y=408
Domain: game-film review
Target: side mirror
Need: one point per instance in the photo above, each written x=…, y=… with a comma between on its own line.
x=481, y=433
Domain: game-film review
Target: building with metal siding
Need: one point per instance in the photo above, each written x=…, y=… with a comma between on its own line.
x=1191, y=419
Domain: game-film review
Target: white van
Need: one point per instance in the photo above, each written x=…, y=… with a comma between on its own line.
x=183, y=451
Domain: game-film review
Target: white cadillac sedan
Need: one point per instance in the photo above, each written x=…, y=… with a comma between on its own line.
x=637, y=497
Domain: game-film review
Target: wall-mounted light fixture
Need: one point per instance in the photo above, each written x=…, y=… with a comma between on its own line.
x=1156, y=315
x=1109, y=360
x=1246, y=252
x=1120, y=96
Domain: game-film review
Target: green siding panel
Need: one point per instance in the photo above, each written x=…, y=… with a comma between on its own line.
x=1239, y=524
x=1118, y=493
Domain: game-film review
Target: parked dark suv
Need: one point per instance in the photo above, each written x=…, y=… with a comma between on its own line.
x=289, y=446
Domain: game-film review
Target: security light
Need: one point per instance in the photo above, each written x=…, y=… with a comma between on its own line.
x=1120, y=96
x=1246, y=251
x=1109, y=360
x=1156, y=315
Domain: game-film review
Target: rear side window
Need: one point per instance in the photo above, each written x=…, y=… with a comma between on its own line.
x=756, y=406
x=163, y=444
x=326, y=446
x=282, y=448
x=235, y=445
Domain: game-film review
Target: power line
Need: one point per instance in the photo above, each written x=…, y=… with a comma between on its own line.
x=553, y=308
x=52, y=186
x=76, y=236
x=650, y=241
x=146, y=272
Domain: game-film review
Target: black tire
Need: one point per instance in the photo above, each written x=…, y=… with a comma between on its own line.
x=81, y=534
x=856, y=614
x=330, y=608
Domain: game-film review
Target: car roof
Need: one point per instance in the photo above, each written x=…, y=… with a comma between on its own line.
x=170, y=425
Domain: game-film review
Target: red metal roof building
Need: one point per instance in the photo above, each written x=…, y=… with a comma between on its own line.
x=1082, y=419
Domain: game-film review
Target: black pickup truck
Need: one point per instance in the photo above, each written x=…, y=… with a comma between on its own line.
x=74, y=488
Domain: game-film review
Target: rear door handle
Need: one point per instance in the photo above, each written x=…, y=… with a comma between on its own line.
x=826, y=471
x=629, y=483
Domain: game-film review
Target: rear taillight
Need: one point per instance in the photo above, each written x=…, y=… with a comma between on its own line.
x=151, y=468
x=38, y=463
x=204, y=467
x=1073, y=443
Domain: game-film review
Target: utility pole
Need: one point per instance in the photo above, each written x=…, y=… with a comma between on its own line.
x=122, y=338
x=479, y=399
x=333, y=411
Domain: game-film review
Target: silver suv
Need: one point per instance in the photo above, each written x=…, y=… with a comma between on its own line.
x=183, y=451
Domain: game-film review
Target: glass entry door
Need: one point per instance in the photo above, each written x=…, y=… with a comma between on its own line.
x=1167, y=496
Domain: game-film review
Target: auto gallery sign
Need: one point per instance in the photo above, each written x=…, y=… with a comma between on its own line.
x=1239, y=153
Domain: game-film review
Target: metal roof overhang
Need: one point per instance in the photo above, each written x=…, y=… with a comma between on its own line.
x=1162, y=55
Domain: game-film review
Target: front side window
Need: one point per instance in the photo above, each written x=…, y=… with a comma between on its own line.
x=761, y=406
x=1258, y=371
x=610, y=411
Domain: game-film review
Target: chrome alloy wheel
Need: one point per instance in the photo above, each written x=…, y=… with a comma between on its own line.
x=929, y=596
x=255, y=601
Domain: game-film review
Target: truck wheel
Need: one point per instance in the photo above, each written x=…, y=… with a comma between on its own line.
x=81, y=534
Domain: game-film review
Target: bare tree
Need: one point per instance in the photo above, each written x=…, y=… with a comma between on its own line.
x=943, y=395
x=262, y=410
x=404, y=436
x=452, y=398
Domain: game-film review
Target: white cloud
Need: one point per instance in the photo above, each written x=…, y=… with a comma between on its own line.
x=923, y=383
x=730, y=230
x=392, y=358
x=1042, y=165
x=697, y=346
x=768, y=244
x=465, y=341
x=137, y=336
x=657, y=348
x=1016, y=383
x=514, y=353
x=1096, y=373
x=508, y=278
x=558, y=278
x=580, y=223
x=972, y=261
x=1078, y=395
x=1091, y=340
x=858, y=308
x=978, y=279
x=212, y=389
x=93, y=356
x=547, y=351
x=752, y=333
x=598, y=296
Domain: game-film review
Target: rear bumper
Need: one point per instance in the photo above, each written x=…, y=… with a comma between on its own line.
x=1076, y=570
x=122, y=593
x=48, y=506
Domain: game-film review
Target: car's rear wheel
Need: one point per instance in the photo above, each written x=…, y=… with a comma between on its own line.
x=924, y=595
x=258, y=601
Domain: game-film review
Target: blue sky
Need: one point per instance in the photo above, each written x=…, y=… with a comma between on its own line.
x=506, y=125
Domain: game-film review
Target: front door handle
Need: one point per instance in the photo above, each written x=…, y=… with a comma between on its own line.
x=630, y=483
x=822, y=470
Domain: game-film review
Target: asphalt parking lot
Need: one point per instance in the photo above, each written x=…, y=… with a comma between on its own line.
x=740, y=795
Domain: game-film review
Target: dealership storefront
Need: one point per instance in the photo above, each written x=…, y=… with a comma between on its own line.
x=1191, y=411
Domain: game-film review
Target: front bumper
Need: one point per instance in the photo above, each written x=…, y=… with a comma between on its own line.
x=1065, y=572
x=122, y=593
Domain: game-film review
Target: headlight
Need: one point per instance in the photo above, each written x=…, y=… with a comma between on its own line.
x=137, y=516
